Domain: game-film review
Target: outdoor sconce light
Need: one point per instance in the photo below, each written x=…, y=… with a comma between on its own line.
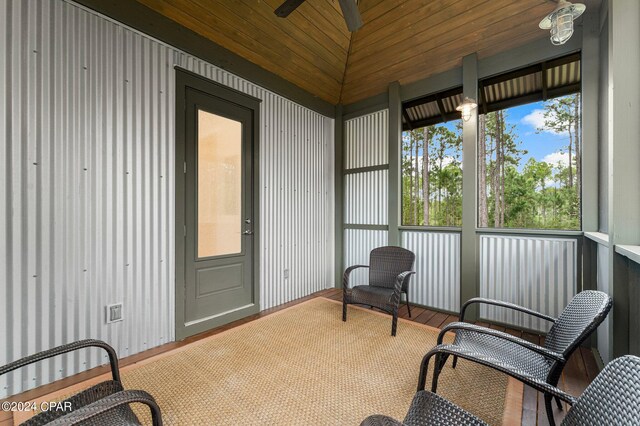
x=560, y=21
x=466, y=107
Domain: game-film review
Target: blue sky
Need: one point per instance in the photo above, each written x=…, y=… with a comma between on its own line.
x=527, y=118
x=543, y=146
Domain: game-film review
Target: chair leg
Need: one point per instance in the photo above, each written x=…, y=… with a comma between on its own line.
x=441, y=360
x=549, y=408
x=408, y=305
x=424, y=369
x=344, y=311
x=559, y=403
x=394, y=323
x=455, y=361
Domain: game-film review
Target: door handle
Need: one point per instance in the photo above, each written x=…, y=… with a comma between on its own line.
x=247, y=232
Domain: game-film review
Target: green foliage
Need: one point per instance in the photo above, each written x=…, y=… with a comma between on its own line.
x=535, y=195
x=442, y=180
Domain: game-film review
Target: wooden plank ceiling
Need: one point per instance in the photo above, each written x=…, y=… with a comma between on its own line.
x=404, y=40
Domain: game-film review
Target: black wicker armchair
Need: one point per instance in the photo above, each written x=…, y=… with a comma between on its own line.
x=516, y=357
x=389, y=273
x=106, y=403
x=428, y=409
x=613, y=398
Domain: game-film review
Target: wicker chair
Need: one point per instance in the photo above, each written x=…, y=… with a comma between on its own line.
x=106, y=403
x=612, y=398
x=428, y=409
x=516, y=357
x=389, y=273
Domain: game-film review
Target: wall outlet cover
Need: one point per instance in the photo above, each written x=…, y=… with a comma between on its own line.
x=114, y=313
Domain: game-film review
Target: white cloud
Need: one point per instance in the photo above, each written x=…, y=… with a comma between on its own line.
x=536, y=120
x=446, y=160
x=557, y=157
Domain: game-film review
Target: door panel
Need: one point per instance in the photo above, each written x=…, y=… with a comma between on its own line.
x=218, y=251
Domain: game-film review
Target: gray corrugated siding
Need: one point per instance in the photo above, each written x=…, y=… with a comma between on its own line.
x=538, y=273
x=437, y=280
x=366, y=140
x=87, y=187
x=366, y=198
x=358, y=243
x=366, y=194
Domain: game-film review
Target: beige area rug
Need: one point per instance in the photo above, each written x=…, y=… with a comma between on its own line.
x=303, y=365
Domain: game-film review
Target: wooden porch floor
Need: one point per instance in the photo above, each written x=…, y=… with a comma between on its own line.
x=579, y=372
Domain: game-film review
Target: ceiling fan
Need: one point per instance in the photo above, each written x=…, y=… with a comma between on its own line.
x=349, y=11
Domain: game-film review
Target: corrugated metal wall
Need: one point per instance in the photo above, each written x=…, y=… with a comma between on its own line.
x=366, y=140
x=367, y=198
x=358, y=243
x=437, y=280
x=536, y=272
x=87, y=187
x=366, y=193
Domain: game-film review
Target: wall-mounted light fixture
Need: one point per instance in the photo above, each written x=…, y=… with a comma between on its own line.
x=560, y=21
x=466, y=107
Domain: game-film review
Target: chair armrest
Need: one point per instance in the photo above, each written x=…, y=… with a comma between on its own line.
x=400, y=279
x=501, y=335
x=550, y=389
x=70, y=347
x=347, y=272
x=109, y=403
x=504, y=305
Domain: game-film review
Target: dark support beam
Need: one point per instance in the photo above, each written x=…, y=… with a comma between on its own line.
x=545, y=83
x=443, y=115
x=482, y=101
x=433, y=98
x=408, y=123
x=434, y=120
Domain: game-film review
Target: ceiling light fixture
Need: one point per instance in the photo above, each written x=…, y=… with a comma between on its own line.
x=560, y=21
x=466, y=107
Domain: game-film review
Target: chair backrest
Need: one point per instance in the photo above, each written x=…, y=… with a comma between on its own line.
x=386, y=263
x=613, y=398
x=577, y=321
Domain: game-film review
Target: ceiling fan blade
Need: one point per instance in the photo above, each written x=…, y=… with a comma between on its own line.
x=287, y=7
x=351, y=14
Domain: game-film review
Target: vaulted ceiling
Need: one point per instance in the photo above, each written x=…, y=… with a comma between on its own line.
x=403, y=40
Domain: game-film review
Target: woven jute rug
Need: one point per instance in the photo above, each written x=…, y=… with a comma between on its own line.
x=303, y=365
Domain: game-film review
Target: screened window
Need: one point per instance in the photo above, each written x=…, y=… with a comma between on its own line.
x=530, y=147
x=432, y=175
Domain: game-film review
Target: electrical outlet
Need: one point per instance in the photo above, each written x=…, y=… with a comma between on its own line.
x=286, y=274
x=114, y=313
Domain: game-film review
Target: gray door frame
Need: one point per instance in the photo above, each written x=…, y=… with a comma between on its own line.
x=186, y=79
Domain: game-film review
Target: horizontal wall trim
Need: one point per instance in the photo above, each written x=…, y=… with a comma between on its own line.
x=366, y=106
x=366, y=227
x=430, y=229
x=151, y=23
x=598, y=237
x=366, y=169
x=434, y=84
x=630, y=252
x=529, y=232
